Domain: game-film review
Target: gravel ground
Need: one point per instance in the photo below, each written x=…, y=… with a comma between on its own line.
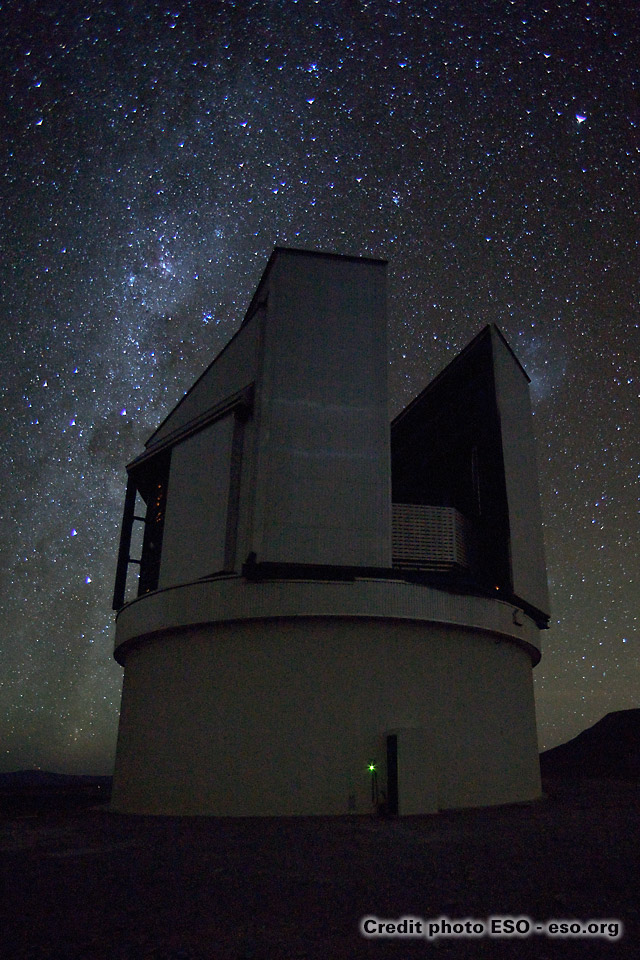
x=92, y=885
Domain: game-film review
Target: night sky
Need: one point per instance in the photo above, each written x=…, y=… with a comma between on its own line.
x=153, y=155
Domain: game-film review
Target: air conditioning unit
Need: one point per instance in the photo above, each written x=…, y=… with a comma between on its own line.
x=430, y=538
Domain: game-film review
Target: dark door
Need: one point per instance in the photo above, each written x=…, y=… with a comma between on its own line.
x=392, y=773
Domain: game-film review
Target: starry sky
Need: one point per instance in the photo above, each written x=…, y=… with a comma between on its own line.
x=152, y=156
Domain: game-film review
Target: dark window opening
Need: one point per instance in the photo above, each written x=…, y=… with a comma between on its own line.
x=145, y=504
x=156, y=500
x=446, y=454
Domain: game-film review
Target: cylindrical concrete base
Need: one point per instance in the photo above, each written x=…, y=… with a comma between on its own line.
x=283, y=715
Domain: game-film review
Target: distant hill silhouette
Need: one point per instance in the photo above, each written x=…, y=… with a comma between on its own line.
x=45, y=778
x=33, y=791
x=608, y=749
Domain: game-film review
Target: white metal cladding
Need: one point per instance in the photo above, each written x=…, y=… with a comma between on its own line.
x=234, y=599
x=433, y=538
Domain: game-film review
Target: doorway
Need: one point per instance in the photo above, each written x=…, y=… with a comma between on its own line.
x=392, y=774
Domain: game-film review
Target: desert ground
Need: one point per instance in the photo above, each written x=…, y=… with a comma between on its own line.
x=93, y=885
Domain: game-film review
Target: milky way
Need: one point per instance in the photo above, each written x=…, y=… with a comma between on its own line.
x=152, y=157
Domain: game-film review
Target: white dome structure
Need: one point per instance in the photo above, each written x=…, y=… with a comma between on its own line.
x=333, y=613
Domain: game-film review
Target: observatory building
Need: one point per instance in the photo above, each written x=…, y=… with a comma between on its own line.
x=319, y=611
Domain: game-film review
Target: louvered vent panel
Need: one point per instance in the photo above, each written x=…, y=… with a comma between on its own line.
x=430, y=538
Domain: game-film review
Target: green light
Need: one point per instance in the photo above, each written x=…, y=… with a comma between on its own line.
x=372, y=767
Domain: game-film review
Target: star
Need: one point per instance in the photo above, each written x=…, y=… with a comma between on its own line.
x=150, y=166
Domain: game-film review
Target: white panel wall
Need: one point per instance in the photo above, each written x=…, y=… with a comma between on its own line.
x=282, y=717
x=521, y=476
x=323, y=474
x=195, y=525
x=233, y=369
